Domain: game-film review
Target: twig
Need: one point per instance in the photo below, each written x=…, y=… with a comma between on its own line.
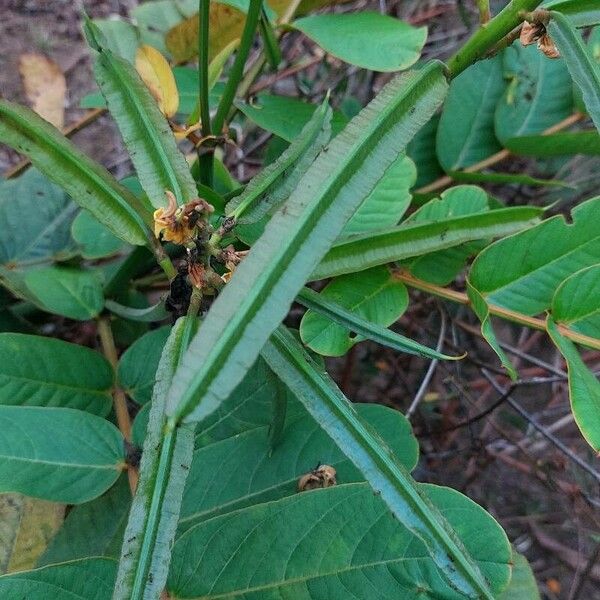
x=549, y=436
x=516, y=351
x=446, y=180
x=119, y=399
x=498, y=311
x=86, y=120
x=292, y=70
x=567, y=555
x=430, y=370
x=581, y=577
x=490, y=409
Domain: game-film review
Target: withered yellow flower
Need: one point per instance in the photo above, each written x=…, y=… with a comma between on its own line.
x=178, y=224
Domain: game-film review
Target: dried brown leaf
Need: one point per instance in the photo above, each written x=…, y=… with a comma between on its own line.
x=45, y=86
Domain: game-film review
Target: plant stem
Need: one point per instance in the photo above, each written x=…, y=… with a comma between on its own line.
x=498, y=311
x=237, y=71
x=205, y=156
x=489, y=35
x=119, y=399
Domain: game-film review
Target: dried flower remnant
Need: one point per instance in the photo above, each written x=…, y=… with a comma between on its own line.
x=178, y=224
x=205, y=279
x=532, y=33
x=321, y=476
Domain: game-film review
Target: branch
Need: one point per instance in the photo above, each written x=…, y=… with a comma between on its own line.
x=489, y=35
x=119, y=399
x=498, y=311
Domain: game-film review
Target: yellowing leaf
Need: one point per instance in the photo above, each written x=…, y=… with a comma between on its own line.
x=45, y=86
x=226, y=25
x=27, y=526
x=156, y=73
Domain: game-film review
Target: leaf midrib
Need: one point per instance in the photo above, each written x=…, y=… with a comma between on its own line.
x=43, y=383
x=542, y=267
x=352, y=308
x=124, y=87
x=88, y=172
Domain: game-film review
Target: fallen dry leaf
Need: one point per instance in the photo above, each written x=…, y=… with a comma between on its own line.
x=156, y=73
x=45, y=86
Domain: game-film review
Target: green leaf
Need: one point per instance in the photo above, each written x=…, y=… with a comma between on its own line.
x=481, y=309
x=155, y=19
x=584, y=387
x=593, y=48
x=390, y=480
x=248, y=406
x=372, y=331
x=421, y=150
x=576, y=302
x=95, y=239
x=66, y=291
x=459, y=201
x=535, y=97
x=274, y=184
x=264, y=285
x=40, y=371
x=522, y=582
x=584, y=69
x=158, y=162
x=312, y=545
x=136, y=372
x=523, y=271
x=375, y=295
x=556, y=144
x=259, y=475
x=285, y=117
x=151, y=314
x=269, y=38
x=36, y=218
x=508, y=178
x=166, y=455
x=90, y=578
x=582, y=13
x=121, y=37
x=405, y=241
x=87, y=182
x=388, y=201
x=465, y=135
x=350, y=37
x=92, y=529
x=277, y=424
x=443, y=266
x=80, y=460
